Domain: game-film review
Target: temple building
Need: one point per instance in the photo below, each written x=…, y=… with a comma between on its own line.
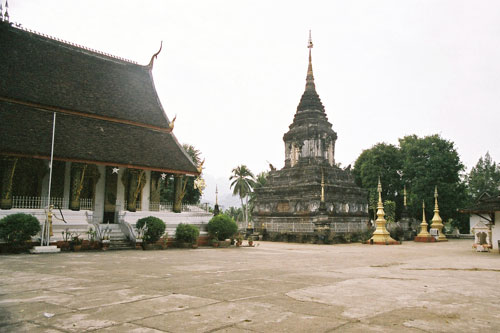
x=112, y=142
x=483, y=215
x=310, y=191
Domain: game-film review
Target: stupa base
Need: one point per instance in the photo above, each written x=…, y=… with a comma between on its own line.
x=425, y=239
x=382, y=240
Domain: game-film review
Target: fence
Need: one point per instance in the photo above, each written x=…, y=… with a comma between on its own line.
x=301, y=227
x=43, y=202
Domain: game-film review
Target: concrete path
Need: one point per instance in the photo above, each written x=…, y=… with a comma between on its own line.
x=273, y=287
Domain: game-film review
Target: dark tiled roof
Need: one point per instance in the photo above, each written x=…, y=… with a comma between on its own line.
x=28, y=132
x=38, y=69
x=485, y=204
x=53, y=75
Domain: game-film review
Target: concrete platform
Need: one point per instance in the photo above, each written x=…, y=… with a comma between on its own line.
x=272, y=287
x=45, y=249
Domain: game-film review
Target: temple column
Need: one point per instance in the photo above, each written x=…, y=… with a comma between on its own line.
x=77, y=176
x=135, y=184
x=155, y=190
x=7, y=180
x=177, y=207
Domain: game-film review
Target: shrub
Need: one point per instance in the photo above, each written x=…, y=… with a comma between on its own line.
x=17, y=229
x=222, y=227
x=186, y=233
x=155, y=228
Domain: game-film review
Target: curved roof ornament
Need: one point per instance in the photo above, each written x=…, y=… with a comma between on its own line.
x=155, y=56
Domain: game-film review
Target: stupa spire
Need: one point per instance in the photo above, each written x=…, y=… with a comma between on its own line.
x=310, y=99
x=310, y=77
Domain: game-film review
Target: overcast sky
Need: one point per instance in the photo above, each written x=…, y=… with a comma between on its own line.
x=233, y=71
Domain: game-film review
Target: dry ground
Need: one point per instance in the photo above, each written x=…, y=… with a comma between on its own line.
x=273, y=287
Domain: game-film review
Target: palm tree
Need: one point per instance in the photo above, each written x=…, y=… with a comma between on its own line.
x=242, y=185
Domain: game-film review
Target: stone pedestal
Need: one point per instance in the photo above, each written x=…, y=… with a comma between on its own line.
x=45, y=249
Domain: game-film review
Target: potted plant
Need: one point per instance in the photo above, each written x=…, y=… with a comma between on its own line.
x=186, y=235
x=92, y=235
x=250, y=240
x=239, y=240
x=64, y=243
x=105, y=241
x=76, y=242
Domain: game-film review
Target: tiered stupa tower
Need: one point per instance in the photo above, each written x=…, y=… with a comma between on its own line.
x=294, y=197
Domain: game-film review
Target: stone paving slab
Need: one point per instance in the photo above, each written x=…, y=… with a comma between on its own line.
x=272, y=287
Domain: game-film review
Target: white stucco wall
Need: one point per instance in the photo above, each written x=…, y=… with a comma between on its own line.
x=146, y=192
x=120, y=191
x=495, y=231
x=99, y=194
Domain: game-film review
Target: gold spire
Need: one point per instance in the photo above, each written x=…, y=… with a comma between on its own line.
x=381, y=235
x=404, y=196
x=310, y=76
x=322, y=186
x=216, y=194
x=423, y=226
x=437, y=222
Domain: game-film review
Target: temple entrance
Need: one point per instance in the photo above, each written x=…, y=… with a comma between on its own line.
x=111, y=184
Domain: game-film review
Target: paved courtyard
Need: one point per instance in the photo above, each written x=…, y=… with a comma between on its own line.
x=272, y=287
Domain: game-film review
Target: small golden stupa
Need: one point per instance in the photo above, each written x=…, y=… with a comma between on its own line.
x=381, y=235
x=437, y=223
x=424, y=235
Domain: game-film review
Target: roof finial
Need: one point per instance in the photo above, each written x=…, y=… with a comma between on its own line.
x=404, y=196
x=310, y=77
x=6, y=15
x=216, y=195
x=155, y=55
x=322, y=186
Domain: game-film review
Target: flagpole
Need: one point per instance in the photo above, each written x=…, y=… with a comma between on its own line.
x=49, y=214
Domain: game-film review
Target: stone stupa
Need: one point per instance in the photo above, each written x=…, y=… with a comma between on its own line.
x=294, y=199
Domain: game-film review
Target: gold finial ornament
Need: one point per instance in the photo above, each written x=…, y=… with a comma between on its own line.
x=437, y=222
x=216, y=195
x=404, y=196
x=322, y=186
x=49, y=219
x=423, y=226
x=381, y=235
x=171, y=125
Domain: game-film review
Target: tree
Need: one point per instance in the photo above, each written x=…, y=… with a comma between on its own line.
x=484, y=177
x=188, y=193
x=385, y=161
x=242, y=185
x=235, y=213
x=260, y=181
x=428, y=162
x=420, y=164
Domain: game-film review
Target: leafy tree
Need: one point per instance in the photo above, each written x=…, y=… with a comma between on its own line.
x=189, y=194
x=420, y=164
x=155, y=228
x=484, y=177
x=385, y=161
x=17, y=229
x=242, y=185
x=390, y=211
x=222, y=227
x=260, y=181
x=235, y=213
x=428, y=162
x=186, y=233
